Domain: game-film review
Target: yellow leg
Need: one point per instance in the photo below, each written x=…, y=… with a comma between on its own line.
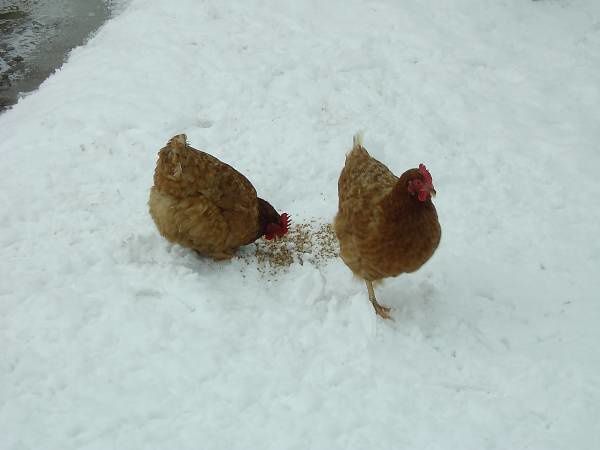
x=382, y=311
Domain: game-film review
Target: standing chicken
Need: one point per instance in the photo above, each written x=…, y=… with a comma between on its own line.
x=202, y=203
x=386, y=225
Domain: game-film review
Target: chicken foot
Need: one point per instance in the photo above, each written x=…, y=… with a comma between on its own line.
x=380, y=310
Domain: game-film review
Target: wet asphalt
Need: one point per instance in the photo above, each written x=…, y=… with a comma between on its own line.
x=36, y=37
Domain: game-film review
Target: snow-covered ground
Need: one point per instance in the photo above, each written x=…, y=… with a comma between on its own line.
x=112, y=338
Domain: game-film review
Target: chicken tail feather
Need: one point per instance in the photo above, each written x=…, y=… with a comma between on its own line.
x=177, y=143
x=170, y=163
x=357, y=140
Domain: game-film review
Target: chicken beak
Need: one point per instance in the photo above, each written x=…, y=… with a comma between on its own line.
x=432, y=192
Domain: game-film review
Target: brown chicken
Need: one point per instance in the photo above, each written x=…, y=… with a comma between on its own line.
x=385, y=225
x=202, y=203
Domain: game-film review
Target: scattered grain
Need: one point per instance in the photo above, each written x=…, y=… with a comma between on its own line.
x=305, y=243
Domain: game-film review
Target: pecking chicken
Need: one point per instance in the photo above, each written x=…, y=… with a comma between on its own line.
x=385, y=225
x=202, y=203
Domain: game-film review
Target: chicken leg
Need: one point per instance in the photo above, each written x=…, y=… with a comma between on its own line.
x=380, y=310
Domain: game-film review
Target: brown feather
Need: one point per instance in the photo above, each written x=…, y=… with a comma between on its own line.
x=202, y=203
x=383, y=230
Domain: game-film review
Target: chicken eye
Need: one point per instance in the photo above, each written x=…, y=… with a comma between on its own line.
x=415, y=185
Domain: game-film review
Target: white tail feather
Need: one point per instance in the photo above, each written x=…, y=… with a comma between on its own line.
x=357, y=140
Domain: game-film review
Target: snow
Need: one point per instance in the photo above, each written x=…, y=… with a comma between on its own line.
x=113, y=338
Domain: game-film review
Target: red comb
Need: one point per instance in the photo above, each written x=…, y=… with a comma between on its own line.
x=426, y=175
x=275, y=231
x=285, y=222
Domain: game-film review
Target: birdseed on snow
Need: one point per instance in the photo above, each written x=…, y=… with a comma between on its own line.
x=310, y=242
